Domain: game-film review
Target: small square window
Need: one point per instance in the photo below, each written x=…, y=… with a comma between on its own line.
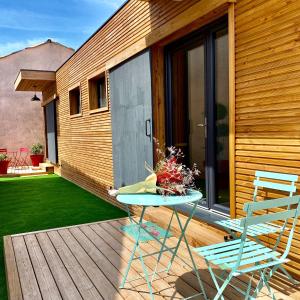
x=97, y=92
x=75, y=101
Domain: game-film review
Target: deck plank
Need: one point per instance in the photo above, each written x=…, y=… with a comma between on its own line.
x=157, y=285
x=12, y=275
x=110, y=271
x=116, y=260
x=103, y=285
x=30, y=287
x=62, y=278
x=88, y=261
x=43, y=274
x=80, y=278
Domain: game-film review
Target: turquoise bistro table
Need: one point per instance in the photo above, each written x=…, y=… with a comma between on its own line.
x=150, y=200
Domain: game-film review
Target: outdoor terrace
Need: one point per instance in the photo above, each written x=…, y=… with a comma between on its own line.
x=87, y=262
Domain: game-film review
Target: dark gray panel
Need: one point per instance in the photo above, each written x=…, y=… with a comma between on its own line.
x=131, y=105
x=51, y=132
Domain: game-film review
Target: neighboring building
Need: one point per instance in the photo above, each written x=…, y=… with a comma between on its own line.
x=21, y=120
x=218, y=78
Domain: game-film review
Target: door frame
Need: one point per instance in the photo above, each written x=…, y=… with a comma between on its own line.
x=207, y=35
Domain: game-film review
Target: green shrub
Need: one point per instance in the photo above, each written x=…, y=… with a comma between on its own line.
x=37, y=148
x=3, y=156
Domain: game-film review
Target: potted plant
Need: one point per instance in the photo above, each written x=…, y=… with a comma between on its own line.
x=37, y=155
x=4, y=162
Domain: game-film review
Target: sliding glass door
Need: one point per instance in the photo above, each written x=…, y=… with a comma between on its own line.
x=197, y=108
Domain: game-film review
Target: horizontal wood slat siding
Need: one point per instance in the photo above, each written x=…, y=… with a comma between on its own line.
x=85, y=142
x=267, y=97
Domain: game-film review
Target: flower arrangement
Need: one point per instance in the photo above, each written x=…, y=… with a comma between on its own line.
x=169, y=177
x=173, y=177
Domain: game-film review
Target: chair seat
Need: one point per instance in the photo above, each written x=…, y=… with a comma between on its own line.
x=225, y=255
x=253, y=230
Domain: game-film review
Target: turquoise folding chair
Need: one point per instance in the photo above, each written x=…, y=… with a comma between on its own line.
x=233, y=226
x=246, y=256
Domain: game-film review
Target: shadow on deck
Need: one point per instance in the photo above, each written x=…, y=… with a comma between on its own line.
x=87, y=262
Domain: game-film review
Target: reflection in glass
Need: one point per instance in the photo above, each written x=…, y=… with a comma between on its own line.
x=196, y=106
x=222, y=129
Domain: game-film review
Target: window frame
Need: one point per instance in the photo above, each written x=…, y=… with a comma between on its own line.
x=102, y=73
x=79, y=114
x=207, y=33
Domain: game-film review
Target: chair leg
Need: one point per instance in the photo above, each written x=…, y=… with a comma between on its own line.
x=259, y=287
x=289, y=276
x=247, y=296
x=271, y=292
x=283, y=270
x=264, y=280
x=224, y=285
x=183, y=237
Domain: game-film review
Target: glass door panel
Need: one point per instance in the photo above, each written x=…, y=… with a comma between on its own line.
x=179, y=107
x=196, y=112
x=222, y=118
x=197, y=108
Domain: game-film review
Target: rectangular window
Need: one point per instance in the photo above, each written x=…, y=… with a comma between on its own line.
x=75, y=101
x=97, y=92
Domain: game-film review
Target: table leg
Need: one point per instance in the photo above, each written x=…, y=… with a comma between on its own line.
x=163, y=245
x=137, y=248
x=183, y=229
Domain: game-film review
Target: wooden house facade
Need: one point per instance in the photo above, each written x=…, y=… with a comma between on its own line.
x=218, y=78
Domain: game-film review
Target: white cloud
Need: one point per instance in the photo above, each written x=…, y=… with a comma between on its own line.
x=9, y=47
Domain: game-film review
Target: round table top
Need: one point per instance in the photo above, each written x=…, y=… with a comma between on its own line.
x=159, y=200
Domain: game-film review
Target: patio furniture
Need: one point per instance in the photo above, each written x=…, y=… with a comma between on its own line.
x=13, y=158
x=3, y=150
x=233, y=226
x=146, y=201
x=22, y=159
x=246, y=256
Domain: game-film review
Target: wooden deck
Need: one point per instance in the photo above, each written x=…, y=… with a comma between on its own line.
x=87, y=262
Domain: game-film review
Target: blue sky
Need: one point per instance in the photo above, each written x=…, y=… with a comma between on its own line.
x=28, y=22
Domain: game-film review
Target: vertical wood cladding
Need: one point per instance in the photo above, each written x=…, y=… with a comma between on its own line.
x=267, y=96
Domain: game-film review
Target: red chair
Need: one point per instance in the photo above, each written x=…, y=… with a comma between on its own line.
x=23, y=157
x=3, y=150
x=13, y=157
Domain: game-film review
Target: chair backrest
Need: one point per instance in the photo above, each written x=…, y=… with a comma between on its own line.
x=286, y=213
x=266, y=180
x=3, y=150
x=24, y=149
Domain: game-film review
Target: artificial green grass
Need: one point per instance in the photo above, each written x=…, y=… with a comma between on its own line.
x=43, y=202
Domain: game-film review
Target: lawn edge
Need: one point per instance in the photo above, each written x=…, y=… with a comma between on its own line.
x=65, y=227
